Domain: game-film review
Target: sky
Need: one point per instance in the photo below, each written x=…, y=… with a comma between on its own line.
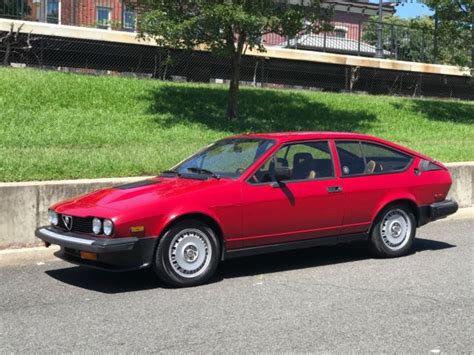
x=410, y=9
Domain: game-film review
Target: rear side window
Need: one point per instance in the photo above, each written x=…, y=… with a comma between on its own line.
x=382, y=159
x=364, y=158
x=351, y=158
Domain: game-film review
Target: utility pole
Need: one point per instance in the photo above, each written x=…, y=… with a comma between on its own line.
x=379, y=47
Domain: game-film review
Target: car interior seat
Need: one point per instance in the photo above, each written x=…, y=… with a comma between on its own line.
x=302, y=166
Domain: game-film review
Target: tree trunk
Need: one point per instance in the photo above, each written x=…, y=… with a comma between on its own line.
x=235, y=79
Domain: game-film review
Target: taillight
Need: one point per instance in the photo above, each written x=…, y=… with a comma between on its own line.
x=426, y=165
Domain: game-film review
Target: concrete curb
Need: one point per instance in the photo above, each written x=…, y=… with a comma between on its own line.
x=28, y=256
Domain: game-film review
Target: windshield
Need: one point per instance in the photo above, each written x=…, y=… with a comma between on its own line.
x=227, y=158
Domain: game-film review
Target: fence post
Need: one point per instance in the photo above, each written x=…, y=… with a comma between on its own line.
x=423, y=47
x=359, y=38
x=324, y=41
x=435, y=39
x=395, y=41
x=392, y=39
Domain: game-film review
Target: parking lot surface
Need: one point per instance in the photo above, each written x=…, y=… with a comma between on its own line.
x=328, y=299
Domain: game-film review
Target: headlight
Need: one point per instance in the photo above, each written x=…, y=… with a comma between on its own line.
x=53, y=217
x=96, y=226
x=108, y=227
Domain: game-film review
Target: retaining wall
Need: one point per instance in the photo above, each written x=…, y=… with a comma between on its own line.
x=24, y=205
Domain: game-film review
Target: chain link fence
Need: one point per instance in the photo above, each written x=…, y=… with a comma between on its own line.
x=144, y=61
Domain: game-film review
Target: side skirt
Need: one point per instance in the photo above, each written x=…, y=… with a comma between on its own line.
x=301, y=244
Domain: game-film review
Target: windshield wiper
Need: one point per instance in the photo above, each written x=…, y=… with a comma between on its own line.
x=170, y=172
x=204, y=171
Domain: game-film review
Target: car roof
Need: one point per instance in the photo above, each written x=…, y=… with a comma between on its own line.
x=296, y=136
x=284, y=137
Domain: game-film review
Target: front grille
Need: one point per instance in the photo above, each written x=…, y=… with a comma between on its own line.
x=79, y=224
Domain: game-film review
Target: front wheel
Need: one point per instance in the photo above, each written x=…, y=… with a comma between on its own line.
x=187, y=255
x=393, y=232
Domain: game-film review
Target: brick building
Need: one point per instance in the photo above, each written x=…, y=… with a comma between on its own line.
x=349, y=15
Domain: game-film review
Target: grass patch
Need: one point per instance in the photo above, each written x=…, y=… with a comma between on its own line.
x=61, y=126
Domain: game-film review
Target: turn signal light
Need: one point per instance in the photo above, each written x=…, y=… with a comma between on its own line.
x=88, y=256
x=137, y=231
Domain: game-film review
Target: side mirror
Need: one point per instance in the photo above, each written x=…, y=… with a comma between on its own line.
x=282, y=173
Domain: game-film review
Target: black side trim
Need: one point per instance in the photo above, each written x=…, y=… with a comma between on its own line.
x=301, y=244
x=134, y=185
x=436, y=211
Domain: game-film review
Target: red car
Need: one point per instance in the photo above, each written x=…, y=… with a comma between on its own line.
x=253, y=194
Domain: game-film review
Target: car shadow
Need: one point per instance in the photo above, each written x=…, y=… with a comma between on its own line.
x=113, y=283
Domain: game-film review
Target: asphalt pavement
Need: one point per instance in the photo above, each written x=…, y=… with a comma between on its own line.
x=328, y=299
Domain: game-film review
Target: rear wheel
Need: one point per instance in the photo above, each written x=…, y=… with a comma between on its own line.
x=394, y=231
x=188, y=254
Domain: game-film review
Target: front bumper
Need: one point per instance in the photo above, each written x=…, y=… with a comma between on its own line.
x=111, y=254
x=436, y=211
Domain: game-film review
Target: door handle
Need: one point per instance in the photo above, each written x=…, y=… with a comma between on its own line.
x=334, y=189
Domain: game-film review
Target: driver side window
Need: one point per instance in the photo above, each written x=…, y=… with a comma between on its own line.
x=305, y=161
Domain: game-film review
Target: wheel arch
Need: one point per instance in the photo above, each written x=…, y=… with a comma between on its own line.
x=200, y=216
x=408, y=202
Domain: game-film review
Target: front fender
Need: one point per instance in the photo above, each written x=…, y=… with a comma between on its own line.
x=181, y=212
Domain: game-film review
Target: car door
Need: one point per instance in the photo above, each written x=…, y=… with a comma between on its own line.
x=307, y=205
x=369, y=172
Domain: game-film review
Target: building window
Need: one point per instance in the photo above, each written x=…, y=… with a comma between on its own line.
x=129, y=19
x=103, y=17
x=52, y=11
x=340, y=32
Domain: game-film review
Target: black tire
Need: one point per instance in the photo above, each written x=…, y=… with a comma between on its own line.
x=180, y=244
x=383, y=240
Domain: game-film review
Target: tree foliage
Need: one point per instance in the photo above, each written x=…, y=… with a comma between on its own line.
x=424, y=39
x=404, y=39
x=455, y=29
x=228, y=27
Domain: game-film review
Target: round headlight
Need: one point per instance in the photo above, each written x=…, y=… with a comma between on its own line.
x=53, y=217
x=96, y=226
x=108, y=227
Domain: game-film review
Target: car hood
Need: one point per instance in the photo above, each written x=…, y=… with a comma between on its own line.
x=127, y=197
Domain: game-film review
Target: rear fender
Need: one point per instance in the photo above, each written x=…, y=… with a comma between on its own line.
x=396, y=197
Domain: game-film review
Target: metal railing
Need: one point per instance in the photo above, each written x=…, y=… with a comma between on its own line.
x=106, y=14
x=398, y=42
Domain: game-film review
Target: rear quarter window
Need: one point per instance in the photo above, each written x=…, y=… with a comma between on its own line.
x=366, y=158
x=382, y=159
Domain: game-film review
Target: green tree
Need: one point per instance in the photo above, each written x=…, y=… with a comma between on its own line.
x=228, y=27
x=454, y=24
x=405, y=39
